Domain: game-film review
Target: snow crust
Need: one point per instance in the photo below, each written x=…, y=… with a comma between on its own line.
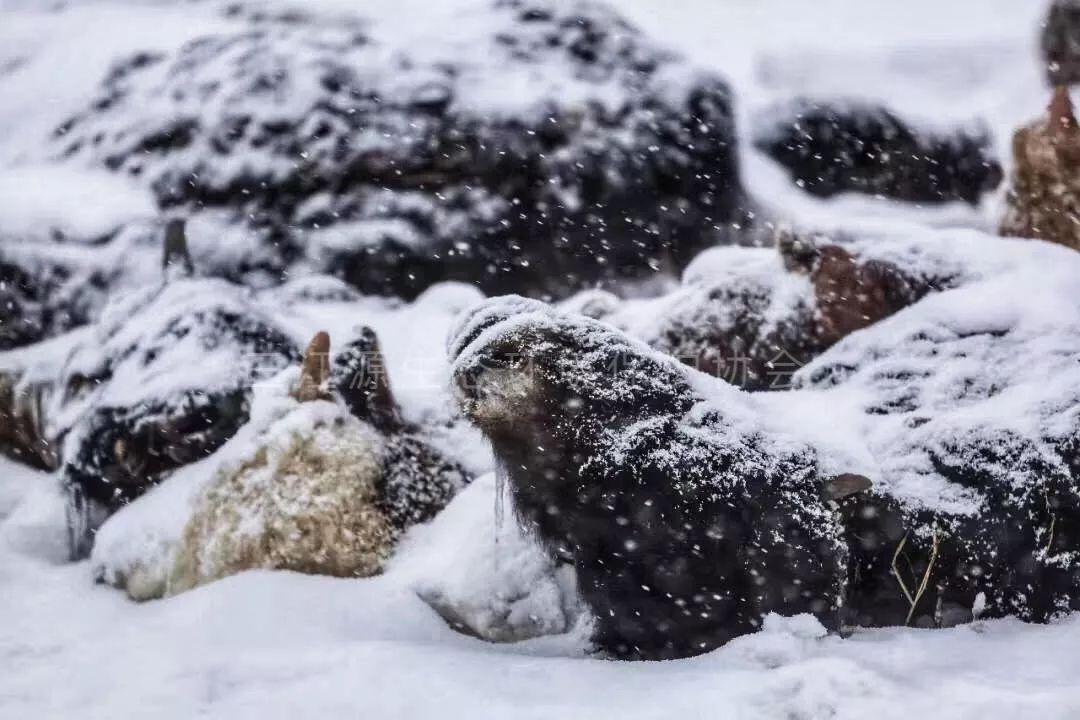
x=277, y=645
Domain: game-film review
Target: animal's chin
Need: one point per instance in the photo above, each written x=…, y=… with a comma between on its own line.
x=486, y=412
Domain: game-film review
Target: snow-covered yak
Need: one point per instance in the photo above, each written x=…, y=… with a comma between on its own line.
x=161, y=381
x=834, y=146
x=323, y=482
x=754, y=317
x=689, y=512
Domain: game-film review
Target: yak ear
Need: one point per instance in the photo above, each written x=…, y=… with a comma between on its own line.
x=841, y=486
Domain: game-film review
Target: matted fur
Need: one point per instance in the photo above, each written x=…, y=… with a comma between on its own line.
x=306, y=505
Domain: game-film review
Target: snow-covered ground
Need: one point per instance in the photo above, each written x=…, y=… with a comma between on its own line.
x=280, y=645
x=268, y=645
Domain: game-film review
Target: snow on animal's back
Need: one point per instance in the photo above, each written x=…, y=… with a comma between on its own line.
x=993, y=362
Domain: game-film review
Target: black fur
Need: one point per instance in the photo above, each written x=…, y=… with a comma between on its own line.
x=686, y=525
x=684, y=532
x=572, y=195
x=116, y=453
x=417, y=480
x=854, y=147
x=1060, y=43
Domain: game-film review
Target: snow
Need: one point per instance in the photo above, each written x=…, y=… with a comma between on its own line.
x=488, y=571
x=77, y=203
x=61, y=56
x=738, y=271
x=281, y=645
x=284, y=645
x=31, y=517
x=972, y=361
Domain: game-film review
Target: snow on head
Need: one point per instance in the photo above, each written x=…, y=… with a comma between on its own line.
x=968, y=363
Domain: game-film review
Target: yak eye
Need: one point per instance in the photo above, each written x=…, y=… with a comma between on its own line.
x=505, y=359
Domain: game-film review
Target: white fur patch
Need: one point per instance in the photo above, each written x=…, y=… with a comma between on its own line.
x=307, y=504
x=294, y=490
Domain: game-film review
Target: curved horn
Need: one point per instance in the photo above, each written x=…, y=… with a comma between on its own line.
x=315, y=370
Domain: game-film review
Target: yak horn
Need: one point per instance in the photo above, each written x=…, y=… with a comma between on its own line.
x=315, y=370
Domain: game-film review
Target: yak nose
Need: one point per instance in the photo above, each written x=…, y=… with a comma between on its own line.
x=466, y=380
